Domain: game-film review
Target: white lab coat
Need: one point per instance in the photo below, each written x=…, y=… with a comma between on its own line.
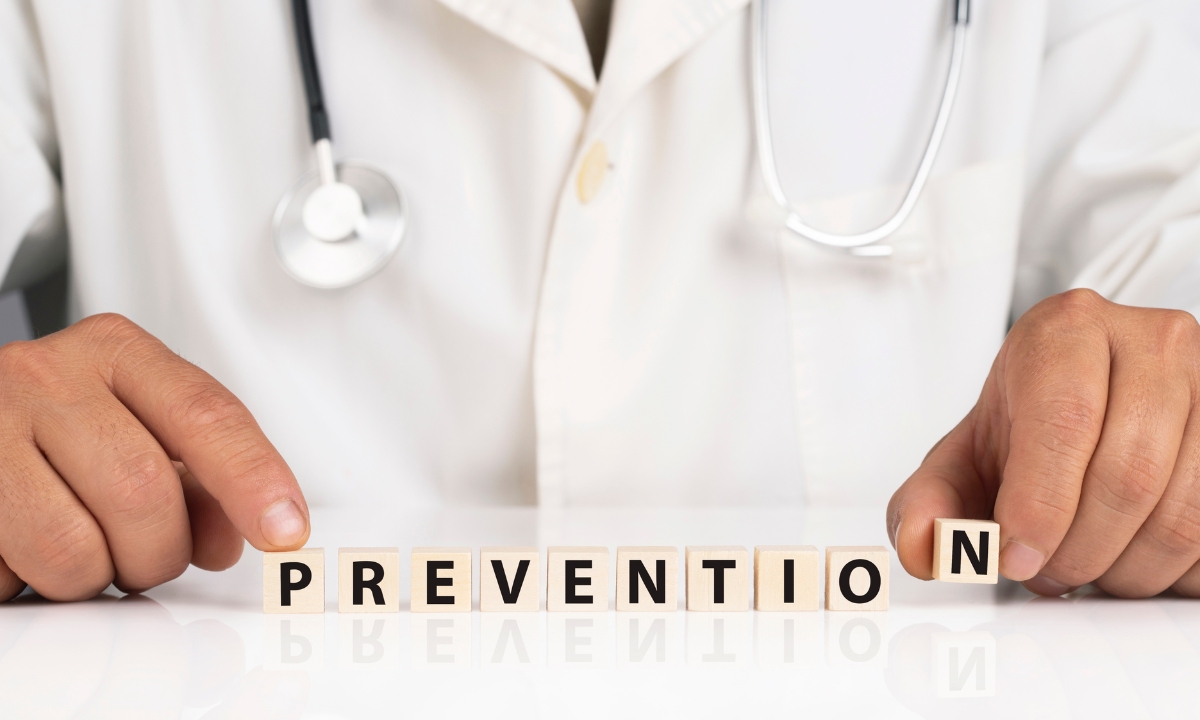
x=572, y=325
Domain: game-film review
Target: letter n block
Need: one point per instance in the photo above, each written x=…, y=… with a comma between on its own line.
x=509, y=579
x=441, y=580
x=647, y=579
x=787, y=578
x=577, y=579
x=294, y=582
x=368, y=580
x=718, y=579
x=966, y=551
x=856, y=578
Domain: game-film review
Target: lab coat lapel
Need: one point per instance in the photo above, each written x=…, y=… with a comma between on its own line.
x=646, y=36
x=549, y=30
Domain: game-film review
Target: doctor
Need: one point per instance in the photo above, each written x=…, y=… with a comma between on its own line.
x=595, y=299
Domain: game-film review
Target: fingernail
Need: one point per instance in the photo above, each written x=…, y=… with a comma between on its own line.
x=1043, y=585
x=1019, y=562
x=283, y=524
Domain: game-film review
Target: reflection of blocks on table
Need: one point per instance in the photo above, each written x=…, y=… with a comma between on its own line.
x=441, y=640
x=294, y=582
x=647, y=638
x=856, y=639
x=577, y=579
x=964, y=664
x=509, y=579
x=647, y=579
x=856, y=577
x=966, y=551
x=368, y=580
x=718, y=639
x=787, y=640
x=718, y=579
x=578, y=639
x=371, y=641
x=294, y=643
x=787, y=578
x=441, y=580
x=514, y=639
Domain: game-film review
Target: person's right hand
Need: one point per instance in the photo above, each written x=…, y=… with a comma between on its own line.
x=121, y=463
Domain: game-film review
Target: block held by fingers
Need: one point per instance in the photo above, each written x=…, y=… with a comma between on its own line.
x=966, y=551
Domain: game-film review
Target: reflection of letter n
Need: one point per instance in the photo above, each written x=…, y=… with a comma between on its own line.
x=975, y=662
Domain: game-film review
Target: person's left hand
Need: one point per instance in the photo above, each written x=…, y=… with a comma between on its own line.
x=1084, y=446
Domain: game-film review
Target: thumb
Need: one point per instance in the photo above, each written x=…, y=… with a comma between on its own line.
x=947, y=485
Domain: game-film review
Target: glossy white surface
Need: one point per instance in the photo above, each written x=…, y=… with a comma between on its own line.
x=201, y=647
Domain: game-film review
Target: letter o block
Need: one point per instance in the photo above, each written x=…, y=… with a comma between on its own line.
x=294, y=582
x=856, y=578
x=577, y=579
x=441, y=580
x=966, y=551
x=368, y=580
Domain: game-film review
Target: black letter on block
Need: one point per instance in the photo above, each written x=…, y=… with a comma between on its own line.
x=360, y=583
x=572, y=581
x=432, y=582
x=844, y=581
x=510, y=595
x=657, y=590
x=962, y=543
x=286, y=586
x=718, y=567
x=789, y=580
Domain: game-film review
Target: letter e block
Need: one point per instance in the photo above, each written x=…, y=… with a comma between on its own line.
x=647, y=579
x=294, y=582
x=577, y=579
x=718, y=579
x=787, y=578
x=441, y=580
x=509, y=579
x=966, y=551
x=856, y=578
x=368, y=580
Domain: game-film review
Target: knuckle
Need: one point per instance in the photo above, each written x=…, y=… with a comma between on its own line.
x=1178, y=334
x=207, y=408
x=28, y=361
x=72, y=560
x=139, y=490
x=108, y=325
x=1176, y=528
x=1070, y=308
x=1134, y=481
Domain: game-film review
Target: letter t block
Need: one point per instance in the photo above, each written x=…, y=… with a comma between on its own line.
x=718, y=579
x=441, y=580
x=294, y=582
x=966, y=551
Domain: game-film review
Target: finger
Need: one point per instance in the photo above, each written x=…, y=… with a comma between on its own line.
x=200, y=423
x=10, y=585
x=216, y=543
x=1055, y=399
x=945, y=486
x=124, y=478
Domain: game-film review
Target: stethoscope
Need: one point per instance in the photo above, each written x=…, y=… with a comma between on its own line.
x=341, y=223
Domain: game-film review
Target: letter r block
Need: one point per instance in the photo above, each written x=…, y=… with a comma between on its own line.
x=577, y=579
x=368, y=580
x=294, y=582
x=647, y=579
x=510, y=579
x=718, y=579
x=966, y=551
x=856, y=577
x=441, y=580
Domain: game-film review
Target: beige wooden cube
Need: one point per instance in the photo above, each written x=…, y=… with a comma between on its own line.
x=966, y=551
x=294, y=582
x=441, y=580
x=718, y=579
x=577, y=579
x=856, y=577
x=369, y=580
x=787, y=578
x=647, y=579
x=509, y=579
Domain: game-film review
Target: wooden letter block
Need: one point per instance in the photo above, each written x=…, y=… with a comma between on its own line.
x=647, y=579
x=509, y=579
x=787, y=578
x=294, y=582
x=966, y=551
x=369, y=580
x=718, y=579
x=577, y=579
x=856, y=578
x=441, y=580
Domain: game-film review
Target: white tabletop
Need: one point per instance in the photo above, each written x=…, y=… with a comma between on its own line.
x=201, y=646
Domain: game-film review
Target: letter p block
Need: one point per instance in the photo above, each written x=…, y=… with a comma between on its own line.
x=294, y=582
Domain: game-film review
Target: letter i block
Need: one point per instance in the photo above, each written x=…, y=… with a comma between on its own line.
x=294, y=582
x=787, y=578
x=441, y=580
x=577, y=579
x=856, y=578
x=368, y=580
x=718, y=579
x=509, y=579
x=647, y=579
x=966, y=551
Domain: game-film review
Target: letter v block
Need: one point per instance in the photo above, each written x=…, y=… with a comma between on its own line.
x=441, y=580
x=966, y=551
x=509, y=579
x=718, y=579
x=647, y=579
x=368, y=580
x=577, y=579
x=294, y=582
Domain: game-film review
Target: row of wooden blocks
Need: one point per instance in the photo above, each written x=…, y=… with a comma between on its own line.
x=786, y=578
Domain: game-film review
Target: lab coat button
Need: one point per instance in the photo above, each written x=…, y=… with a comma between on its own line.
x=591, y=172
